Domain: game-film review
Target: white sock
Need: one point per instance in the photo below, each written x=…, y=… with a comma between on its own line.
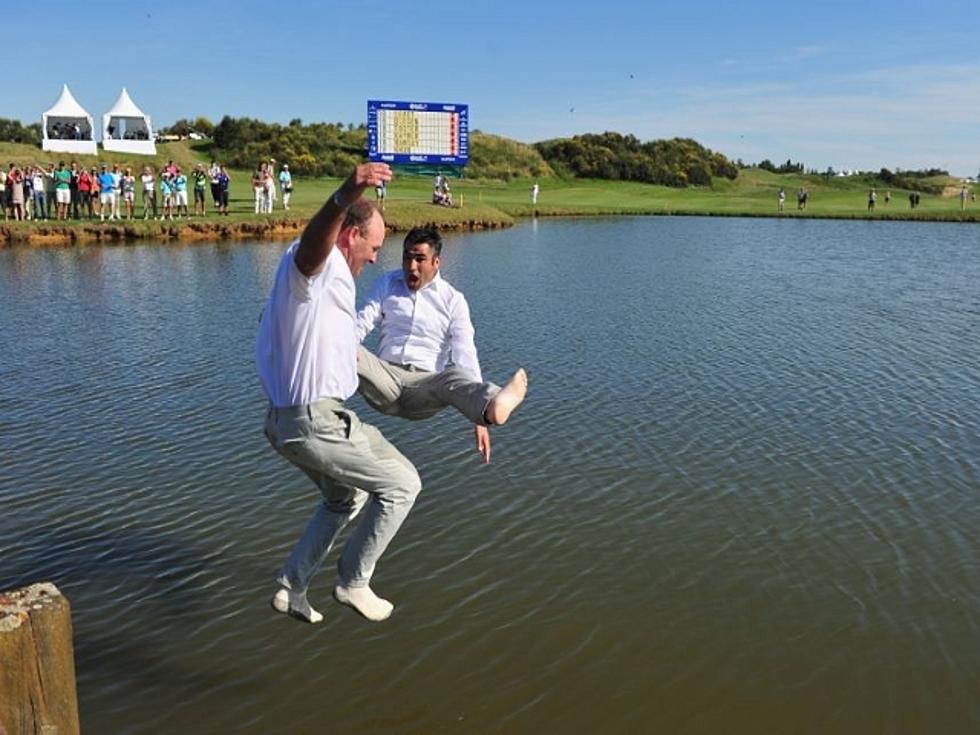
x=364, y=601
x=295, y=604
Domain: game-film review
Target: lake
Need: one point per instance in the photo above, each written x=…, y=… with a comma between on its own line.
x=742, y=495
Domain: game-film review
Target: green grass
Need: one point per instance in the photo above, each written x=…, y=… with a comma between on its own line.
x=497, y=203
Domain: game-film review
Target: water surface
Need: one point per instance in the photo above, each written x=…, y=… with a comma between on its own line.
x=741, y=497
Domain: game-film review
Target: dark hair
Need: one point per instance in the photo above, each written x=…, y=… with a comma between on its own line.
x=359, y=214
x=428, y=235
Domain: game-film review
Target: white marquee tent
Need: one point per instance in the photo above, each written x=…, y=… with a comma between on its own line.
x=67, y=127
x=126, y=128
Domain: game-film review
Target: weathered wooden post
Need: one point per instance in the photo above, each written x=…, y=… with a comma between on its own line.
x=37, y=664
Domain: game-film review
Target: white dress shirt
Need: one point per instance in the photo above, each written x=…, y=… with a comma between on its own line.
x=307, y=344
x=428, y=328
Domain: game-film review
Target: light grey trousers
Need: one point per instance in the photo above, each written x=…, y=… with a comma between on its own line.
x=352, y=465
x=406, y=391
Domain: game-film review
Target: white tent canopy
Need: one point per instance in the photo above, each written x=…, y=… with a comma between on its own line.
x=67, y=127
x=127, y=128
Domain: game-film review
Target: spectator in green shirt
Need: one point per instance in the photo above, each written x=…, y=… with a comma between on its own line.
x=201, y=181
x=62, y=189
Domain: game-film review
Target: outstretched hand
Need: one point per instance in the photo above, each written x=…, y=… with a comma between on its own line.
x=320, y=233
x=482, y=442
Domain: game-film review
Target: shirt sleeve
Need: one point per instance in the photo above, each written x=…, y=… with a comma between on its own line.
x=367, y=317
x=461, y=335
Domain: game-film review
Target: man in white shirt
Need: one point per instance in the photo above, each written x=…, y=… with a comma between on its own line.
x=306, y=357
x=426, y=356
x=117, y=177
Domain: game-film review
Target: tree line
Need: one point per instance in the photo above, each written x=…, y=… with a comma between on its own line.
x=332, y=149
x=676, y=162
x=318, y=149
x=14, y=131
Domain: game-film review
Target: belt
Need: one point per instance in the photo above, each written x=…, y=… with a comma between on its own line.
x=306, y=409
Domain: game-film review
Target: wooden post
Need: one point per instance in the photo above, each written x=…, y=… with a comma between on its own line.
x=37, y=665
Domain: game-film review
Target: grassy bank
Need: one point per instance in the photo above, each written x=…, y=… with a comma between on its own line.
x=483, y=204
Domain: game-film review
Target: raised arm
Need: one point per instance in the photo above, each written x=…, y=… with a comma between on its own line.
x=321, y=233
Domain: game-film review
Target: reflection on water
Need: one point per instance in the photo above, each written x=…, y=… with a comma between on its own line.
x=741, y=496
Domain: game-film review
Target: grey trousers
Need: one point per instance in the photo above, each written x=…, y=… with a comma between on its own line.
x=353, y=466
x=405, y=391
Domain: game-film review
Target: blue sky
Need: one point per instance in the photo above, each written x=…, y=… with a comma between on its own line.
x=849, y=85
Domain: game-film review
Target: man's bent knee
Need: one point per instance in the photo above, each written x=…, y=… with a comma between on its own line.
x=410, y=484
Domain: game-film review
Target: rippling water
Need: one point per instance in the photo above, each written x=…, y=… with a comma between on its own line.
x=742, y=495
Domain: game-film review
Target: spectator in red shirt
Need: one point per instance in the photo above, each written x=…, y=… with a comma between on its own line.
x=85, y=191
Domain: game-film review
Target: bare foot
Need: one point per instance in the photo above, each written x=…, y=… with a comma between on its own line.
x=509, y=398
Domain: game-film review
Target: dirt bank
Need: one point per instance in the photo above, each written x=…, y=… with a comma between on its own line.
x=39, y=235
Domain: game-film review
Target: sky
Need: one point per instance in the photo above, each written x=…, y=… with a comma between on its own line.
x=849, y=85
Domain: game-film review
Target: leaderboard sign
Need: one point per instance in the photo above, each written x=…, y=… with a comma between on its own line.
x=418, y=132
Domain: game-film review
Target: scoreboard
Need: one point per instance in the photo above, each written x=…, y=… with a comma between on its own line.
x=418, y=132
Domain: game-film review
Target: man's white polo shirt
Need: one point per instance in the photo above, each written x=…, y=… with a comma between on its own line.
x=427, y=328
x=307, y=344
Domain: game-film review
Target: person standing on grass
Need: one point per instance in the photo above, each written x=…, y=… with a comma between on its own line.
x=129, y=192
x=28, y=192
x=963, y=195
x=15, y=192
x=40, y=194
x=224, y=186
x=62, y=190
x=94, y=192
x=214, y=170
x=116, y=191
x=167, y=195
x=3, y=192
x=258, y=188
x=180, y=193
x=270, y=186
x=149, y=192
x=380, y=194
x=286, y=182
x=872, y=199
x=200, y=177
x=535, y=190
x=106, y=185
x=73, y=189
x=85, y=192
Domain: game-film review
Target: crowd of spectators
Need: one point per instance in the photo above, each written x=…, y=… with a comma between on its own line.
x=108, y=192
x=111, y=192
x=264, y=181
